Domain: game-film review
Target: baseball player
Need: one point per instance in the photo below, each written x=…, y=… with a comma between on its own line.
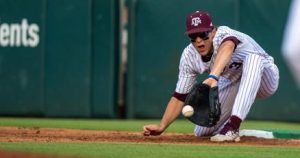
x=231, y=60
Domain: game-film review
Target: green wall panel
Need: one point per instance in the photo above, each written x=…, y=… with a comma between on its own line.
x=105, y=58
x=59, y=58
x=68, y=58
x=21, y=56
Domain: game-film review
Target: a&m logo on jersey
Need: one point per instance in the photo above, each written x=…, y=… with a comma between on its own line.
x=235, y=65
x=196, y=21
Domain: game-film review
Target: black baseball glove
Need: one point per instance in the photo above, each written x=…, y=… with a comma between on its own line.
x=205, y=101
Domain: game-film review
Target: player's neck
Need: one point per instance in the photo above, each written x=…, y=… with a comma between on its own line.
x=207, y=57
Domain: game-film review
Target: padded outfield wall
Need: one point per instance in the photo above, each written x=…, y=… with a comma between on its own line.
x=59, y=58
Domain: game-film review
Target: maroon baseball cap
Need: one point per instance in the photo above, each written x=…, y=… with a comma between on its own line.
x=198, y=22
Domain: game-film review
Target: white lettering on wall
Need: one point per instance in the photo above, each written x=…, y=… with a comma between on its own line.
x=19, y=34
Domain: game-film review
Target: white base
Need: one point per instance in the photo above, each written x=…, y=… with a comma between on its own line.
x=257, y=133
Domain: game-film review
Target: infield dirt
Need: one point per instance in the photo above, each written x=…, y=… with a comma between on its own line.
x=17, y=134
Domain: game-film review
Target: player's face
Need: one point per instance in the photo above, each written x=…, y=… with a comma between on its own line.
x=202, y=41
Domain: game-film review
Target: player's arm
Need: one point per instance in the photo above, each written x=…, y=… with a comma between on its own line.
x=171, y=113
x=186, y=79
x=222, y=59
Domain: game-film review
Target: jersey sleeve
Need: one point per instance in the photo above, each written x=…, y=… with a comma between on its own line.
x=225, y=35
x=186, y=78
x=233, y=39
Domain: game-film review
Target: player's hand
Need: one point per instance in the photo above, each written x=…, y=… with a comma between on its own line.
x=211, y=82
x=153, y=130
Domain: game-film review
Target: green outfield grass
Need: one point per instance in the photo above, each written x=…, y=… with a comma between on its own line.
x=180, y=125
x=124, y=150
x=87, y=150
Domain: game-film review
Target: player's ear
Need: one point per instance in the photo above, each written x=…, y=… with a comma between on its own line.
x=213, y=32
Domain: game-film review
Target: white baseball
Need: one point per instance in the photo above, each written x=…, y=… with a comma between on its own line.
x=187, y=111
